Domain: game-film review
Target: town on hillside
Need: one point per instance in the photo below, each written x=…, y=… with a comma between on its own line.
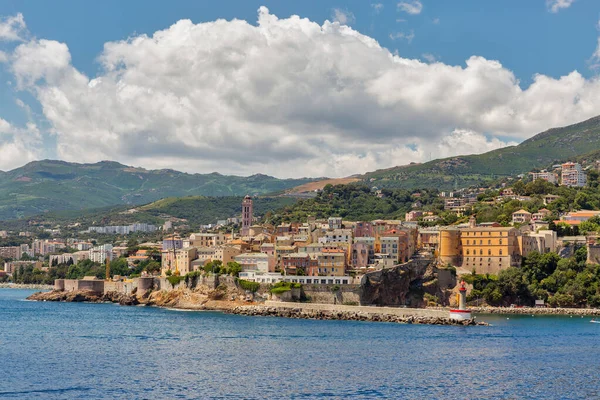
x=337, y=251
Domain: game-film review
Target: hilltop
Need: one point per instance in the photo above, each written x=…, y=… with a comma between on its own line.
x=544, y=149
x=50, y=185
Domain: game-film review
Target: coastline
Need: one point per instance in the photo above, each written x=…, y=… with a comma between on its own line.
x=25, y=286
x=537, y=311
x=190, y=300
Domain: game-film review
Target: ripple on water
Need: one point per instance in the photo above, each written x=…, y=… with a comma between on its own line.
x=57, y=350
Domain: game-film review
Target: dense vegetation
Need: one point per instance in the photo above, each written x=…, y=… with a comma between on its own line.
x=32, y=275
x=355, y=202
x=47, y=185
x=561, y=282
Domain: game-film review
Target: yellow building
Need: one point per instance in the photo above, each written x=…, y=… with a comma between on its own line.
x=484, y=249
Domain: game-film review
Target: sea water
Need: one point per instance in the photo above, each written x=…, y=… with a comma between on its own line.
x=105, y=351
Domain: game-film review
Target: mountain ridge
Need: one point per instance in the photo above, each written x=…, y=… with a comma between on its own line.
x=52, y=185
x=539, y=151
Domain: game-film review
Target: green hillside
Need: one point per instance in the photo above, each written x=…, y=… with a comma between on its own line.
x=48, y=185
x=195, y=210
x=540, y=151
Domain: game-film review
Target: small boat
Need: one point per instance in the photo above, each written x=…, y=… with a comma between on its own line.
x=593, y=321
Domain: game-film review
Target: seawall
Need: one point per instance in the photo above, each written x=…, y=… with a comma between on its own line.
x=351, y=313
x=537, y=311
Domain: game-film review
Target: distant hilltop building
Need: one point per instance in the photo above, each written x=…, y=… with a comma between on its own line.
x=247, y=210
x=123, y=229
x=572, y=175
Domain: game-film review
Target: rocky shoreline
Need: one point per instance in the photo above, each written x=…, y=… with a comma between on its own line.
x=187, y=300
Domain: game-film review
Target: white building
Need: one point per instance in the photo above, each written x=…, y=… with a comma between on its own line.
x=550, y=177
x=322, y=280
x=337, y=236
x=253, y=261
x=261, y=277
x=99, y=254
x=572, y=175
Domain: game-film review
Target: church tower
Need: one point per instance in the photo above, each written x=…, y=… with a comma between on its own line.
x=247, y=209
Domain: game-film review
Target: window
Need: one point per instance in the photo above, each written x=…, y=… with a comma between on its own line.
x=467, y=241
x=489, y=242
x=489, y=252
x=500, y=241
x=480, y=252
x=481, y=242
x=500, y=251
x=468, y=252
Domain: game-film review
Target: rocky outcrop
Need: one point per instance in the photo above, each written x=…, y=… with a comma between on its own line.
x=397, y=286
x=85, y=296
x=302, y=313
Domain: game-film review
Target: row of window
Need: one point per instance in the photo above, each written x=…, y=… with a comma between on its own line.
x=481, y=242
x=468, y=252
x=488, y=234
x=474, y=260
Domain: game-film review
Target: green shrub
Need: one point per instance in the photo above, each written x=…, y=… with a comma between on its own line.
x=335, y=288
x=280, y=289
x=175, y=279
x=431, y=298
x=191, y=278
x=248, y=285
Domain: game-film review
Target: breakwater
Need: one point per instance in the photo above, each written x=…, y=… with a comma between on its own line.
x=335, y=314
x=25, y=286
x=537, y=311
x=219, y=301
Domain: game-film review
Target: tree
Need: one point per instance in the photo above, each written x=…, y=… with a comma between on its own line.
x=519, y=188
x=234, y=268
x=119, y=267
x=593, y=179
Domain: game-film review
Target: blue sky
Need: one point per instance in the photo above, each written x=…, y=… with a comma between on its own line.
x=526, y=37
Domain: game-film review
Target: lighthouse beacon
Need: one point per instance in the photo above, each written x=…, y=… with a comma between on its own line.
x=461, y=313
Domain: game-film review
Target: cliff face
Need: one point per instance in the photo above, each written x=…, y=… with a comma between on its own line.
x=402, y=285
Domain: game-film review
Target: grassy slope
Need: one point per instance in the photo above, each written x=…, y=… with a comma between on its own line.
x=540, y=151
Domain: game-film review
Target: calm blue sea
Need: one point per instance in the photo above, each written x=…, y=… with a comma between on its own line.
x=105, y=351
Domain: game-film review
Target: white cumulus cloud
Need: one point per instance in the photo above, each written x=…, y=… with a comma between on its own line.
x=403, y=36
x=12, y=28
x=18, y=146
x=412, y=7
x=287, y=97
x=344, y=17
x=555, y=6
